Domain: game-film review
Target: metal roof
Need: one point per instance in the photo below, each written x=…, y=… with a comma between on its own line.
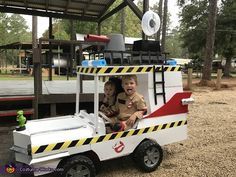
x=86, y=10
x=28, y=46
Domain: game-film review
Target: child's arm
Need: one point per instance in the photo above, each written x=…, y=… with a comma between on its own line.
x=133, y=117
x=105, y=100
x=141, y=110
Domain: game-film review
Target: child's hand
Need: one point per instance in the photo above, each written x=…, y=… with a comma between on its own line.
x=108, y=113
x=105, y=100
x=131, y=120
x=139, y=114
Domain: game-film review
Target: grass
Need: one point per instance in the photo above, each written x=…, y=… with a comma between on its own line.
x=62, y=77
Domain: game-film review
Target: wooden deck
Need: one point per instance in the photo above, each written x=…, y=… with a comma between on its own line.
x=26, y=87
x=54, y=92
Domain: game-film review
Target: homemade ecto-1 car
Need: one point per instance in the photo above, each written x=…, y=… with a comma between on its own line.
x=77, y=143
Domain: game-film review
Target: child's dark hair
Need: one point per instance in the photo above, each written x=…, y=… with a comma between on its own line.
x=110, y=83
x=118, y=84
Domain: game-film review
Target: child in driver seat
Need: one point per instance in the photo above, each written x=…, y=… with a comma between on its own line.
x=129, y=106
x=109, y=98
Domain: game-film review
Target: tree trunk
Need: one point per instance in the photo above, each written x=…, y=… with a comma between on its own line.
x=210, y=39
x=227, y=67
x=5, y=62
x=163, y=38
x=1, y=64
x=158, y=37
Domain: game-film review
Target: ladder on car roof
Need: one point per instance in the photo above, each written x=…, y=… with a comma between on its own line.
x=159, y=69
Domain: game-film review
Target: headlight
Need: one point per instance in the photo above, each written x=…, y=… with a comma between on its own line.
x=187, y=101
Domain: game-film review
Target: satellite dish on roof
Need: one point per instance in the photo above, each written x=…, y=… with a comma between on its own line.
x=150, y=23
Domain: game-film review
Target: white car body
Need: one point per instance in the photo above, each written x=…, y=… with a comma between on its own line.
x=45, y=142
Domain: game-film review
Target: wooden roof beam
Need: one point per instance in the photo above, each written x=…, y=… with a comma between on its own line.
x=46, y=14
x=113, y=11
x=67, y=5
x=130, y=3
x=26, y=4
x=87, y=6
x=46, y=5
x=83, y=2
x=106, y=8
x=135, y=9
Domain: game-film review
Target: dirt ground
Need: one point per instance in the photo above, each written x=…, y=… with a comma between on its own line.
x=209, y=151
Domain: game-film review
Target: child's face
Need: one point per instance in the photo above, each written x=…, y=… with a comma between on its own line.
x=109, y=90
x=129, y=86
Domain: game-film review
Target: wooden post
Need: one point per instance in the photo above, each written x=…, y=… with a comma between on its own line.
x=158, y=36
x=37, y=68
x=190, y=75
x=19, y=58
x=145, y=9
x=218, y=81
x=99, y=33
x=99, y=28
x=50, y=49
x=53, y=109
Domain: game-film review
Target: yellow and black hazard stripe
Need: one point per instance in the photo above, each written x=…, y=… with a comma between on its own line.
x=103, y=138
x=125, y=69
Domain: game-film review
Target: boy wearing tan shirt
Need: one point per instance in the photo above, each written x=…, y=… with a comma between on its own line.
x=130, y=105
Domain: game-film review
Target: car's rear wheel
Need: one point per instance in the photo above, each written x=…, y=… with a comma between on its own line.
x=148, y=155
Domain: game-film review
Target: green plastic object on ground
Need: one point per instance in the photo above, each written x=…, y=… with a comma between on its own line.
x=21, y=119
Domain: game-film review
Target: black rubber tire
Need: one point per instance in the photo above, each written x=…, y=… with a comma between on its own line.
x=148, y=155
x=79, y=161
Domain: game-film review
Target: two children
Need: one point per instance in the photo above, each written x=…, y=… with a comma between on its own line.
x=129, y=104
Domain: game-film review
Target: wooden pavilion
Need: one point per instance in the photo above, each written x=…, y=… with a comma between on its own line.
x=83, y=10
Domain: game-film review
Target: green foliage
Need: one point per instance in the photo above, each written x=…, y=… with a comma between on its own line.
x=18, y=29
x=193, y=26
x=110, y=25
x=173, y=41
x=196, y=63
x=58, y=30
x=132, y=22
x=13, y=28
x=226, y=25
x=80, y=26
x=155, y=7
x=3, y=28
x=193, y=30
x=174, y=45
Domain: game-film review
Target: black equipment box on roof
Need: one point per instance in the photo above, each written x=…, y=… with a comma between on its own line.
x=146, y=45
